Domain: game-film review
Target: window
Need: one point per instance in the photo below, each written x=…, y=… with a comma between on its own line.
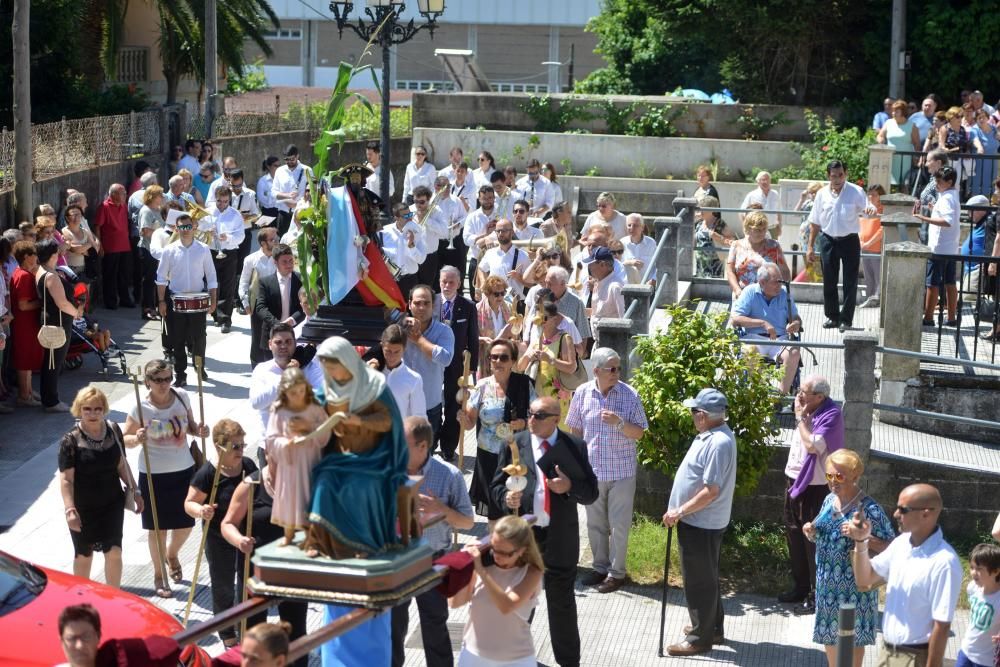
x=283, y=34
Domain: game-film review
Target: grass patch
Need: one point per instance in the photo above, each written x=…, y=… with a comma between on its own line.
x=754, y=556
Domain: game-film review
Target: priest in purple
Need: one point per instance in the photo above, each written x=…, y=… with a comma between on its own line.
x=819, y=430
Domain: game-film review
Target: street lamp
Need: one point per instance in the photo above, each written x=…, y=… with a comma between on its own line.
x=385, y=28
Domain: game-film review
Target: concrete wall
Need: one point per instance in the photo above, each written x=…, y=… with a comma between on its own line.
x=960, y=395
x=502, y=111
x=612, y=155
x=969, y=495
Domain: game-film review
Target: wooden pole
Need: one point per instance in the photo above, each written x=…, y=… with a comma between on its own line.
x=199, y=367
x=246, y=557
x=160, y=566
x=204, y=533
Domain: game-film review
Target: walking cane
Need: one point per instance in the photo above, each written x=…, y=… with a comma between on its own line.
x=199, y=367
x=663, y=598
x=160, y=566
x=246, y=557
x=204, y=535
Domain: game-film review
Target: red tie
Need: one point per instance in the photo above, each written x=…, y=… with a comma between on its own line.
x=547, y=503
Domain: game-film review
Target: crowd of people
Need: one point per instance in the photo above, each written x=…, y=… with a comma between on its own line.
x=498, y=284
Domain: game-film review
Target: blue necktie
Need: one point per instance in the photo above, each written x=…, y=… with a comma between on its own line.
x=447, y=312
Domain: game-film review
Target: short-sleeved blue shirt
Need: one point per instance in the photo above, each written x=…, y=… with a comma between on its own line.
x=710, y=461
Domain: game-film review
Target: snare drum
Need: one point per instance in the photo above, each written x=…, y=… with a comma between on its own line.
x=191, y=302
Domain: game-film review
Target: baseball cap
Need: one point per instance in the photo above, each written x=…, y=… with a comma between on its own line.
x=602, y=254
x=708, y=399
x=978, y=200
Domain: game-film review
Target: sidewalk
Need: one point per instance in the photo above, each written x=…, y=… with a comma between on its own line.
x=616, y=629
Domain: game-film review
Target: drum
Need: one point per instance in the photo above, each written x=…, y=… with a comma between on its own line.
x=191, y=302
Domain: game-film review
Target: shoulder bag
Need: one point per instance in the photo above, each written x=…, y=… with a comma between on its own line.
x=50, y=337
x=196, y=453
x=130, y=490
x=570, y=381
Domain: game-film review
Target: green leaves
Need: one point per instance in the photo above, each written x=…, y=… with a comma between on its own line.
x=831, y=142
x=696, y=351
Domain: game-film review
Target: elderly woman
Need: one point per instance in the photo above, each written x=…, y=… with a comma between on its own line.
x=498, y=407
x=58, y=310
x=167, y=420
x=609, y=215
x=92, y=471
x=189, y=186
x=550, y=350
x=986, y=141
x=834, y=574
x=150, y=220
x=710, y=234
x=79, y=240
x=953, y=138
x=27, y=310
x=227, y=578
x=494, y=315
x=902, y=134
x=751, y=252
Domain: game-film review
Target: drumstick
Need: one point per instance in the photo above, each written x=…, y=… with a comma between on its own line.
x=199, y=367
x=246, y=557
x=160, y=567
x=204, y=535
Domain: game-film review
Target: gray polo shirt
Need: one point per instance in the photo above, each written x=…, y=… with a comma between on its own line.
x=711, y=460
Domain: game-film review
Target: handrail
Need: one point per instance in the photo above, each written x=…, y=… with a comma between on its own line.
x=719, y=209
x=646, y=276
x=970, y=421
x=656, y=299
x=937, y=359
x=792, y=343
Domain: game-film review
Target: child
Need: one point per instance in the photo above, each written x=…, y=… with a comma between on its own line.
x=978, y=645
x=871, y=243
x=295, y=414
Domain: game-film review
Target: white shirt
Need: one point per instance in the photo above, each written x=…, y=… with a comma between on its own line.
x=285, y=292
x=245, y=202
x=770, y=202
x=255, y=262
x=159, y=241
x=435, y=226
x=607, y=300
x=537, y=193
x=265, y=196
x=453, y=212
x=643, y=251
x=618, y=224
x=497, y=262
x=797, y=457
x=189, y=163
x=475, y=225
x=417, y=176
x=923, y=586
x=542, y=519
x=186, y=269
x=466, y=192
x=395, y=245
x=228, y=222
x=374, y=184
x=407, y=388
x=503, y=205
x=212, y=187
x=287, y=180
x=450, y=171
x=837, y=215
x=480, y=178
x=527, y=233
x=945, y=240
x=264, y=386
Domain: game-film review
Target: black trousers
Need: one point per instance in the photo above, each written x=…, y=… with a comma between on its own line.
x=701, y=549
x=148, y=290
x=226, y=574
x=406, y=283
x=257, y=353
x=802, y=552
x=433, y=609
x=116, y=268
x=833, y=252
x=49, y=375
x=284, y=222
x=559, y=583
x=292, y=612
x=450, y=432
x=185, y=333
x=135, y=280
x=226, y=270
x=428, y=271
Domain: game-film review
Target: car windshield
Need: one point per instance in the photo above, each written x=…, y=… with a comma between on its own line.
x=20, y=583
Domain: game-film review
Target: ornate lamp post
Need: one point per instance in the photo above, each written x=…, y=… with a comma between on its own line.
x=385, y=28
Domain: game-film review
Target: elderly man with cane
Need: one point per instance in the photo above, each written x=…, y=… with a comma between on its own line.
x=700, y=505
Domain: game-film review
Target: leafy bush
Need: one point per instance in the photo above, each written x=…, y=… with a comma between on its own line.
x=696, y=351
x=118, y=99
x=616, y=118
x=253, y=78
x=358, y=122
x=752, y=126
x=656, y=122
x=556, y=115
x=830, y=142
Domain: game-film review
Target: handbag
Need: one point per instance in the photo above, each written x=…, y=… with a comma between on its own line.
x=130, y=490
x=570, y=381
x=196, y=454
x=50, y=337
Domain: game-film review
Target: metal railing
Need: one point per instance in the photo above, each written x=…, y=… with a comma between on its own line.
x=976, y=172
x=976, y=287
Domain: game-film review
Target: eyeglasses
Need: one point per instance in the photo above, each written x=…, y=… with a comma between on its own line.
x=420, y=153
x=611, y=369
x=293, y=158
x=835, y=477
x=757, y=228
x=541, y=415
x=505, y=554
x=520, y=210
x=482, y=159
x=903, y=509
x=236, y=447
x=499, y=357
x=807, y=393
x=161, y=380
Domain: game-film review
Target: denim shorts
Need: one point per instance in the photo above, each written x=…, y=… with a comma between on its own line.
x=940, y=272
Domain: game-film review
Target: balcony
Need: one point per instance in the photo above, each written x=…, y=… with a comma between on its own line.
x=133, y=64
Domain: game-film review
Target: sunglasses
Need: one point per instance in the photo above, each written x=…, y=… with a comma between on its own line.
x=499, y=357
x=505, y=554
x=418, y=153
x=541, y=415
x=835, y=477
x=617, y=252
x=520, y=210
x=903, y=509
x=611, y=369
x=185, y=228
x=482, y=159
x=496, y=293
x=161, y=380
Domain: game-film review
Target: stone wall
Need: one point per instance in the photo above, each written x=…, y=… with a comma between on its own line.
x=975, y=396
x=502, y=111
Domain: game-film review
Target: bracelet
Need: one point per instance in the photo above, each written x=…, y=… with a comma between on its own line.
x=621, y=424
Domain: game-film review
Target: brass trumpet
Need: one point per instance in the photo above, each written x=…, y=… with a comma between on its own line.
x=197, y=214
x=560, y=241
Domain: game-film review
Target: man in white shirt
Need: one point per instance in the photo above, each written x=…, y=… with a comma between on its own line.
x=373, y=155
x=639, y=249
x=403, y=244
x=478, y=232
x=257, y=266
x=267, y=374
x=943, y=238
x=506, y=260
x=177, y=194
x=244, y=200
x=455, y=157
x=536, y=190
x=463, y=189
x=603, y=293
x=767, y=197
x=229, y=165
x=226, y=224
x=834, y=220
x=923, y=578
x=290, y=183
x=192, y=149
x=406, y=385
x=505, y=195
x=435, y=229
x=452, y=250
x=522, y=230
x=185, y=267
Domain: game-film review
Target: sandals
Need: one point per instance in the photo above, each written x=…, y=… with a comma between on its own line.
x=176, y=574
x=993, y=337
x=161, y=588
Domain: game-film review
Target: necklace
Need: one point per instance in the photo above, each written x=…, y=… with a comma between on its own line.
x=95, y=442
x=844, y=508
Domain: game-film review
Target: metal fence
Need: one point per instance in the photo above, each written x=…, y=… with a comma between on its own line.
x=977, y=173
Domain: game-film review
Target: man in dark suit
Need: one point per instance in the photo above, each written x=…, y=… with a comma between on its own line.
x=553, y=503
x=277, y=301
x=459, y=313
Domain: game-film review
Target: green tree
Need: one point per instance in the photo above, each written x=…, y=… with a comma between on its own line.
x=696, y=351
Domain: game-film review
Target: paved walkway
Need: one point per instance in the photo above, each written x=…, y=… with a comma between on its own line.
x=617, y=629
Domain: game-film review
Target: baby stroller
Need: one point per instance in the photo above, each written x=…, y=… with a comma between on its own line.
x=86, y=334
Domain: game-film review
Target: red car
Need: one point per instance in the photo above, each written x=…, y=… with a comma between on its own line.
x=31, y=598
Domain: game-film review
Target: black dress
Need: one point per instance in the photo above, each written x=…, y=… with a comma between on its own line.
x=97, y=489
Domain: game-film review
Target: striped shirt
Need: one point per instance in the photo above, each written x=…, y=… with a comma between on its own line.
x=444, y=482
x=611, y=453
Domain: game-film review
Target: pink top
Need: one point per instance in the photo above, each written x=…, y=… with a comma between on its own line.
x=495, y=636
x=293, y=465
x=745, y=260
